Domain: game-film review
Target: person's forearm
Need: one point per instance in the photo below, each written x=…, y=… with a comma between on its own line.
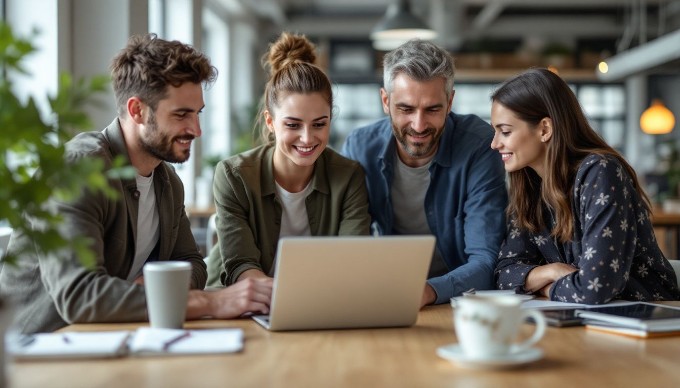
x=251, y=273
x=199, y=304
x=538, y=278
x=547, y=274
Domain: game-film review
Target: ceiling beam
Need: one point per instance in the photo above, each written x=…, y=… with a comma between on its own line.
x=487, y=15
x=503, y=27
x=644, y=57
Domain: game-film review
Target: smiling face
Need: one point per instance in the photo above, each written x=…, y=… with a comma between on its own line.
x=170, y=129
x=417, y=110
x=519, y=143
x=301, y=126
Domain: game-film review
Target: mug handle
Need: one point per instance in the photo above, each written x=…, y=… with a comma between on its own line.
x=539, y=331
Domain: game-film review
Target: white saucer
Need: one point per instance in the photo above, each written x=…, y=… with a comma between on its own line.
x=522, y=297
x=500, y=292
x=453, y=352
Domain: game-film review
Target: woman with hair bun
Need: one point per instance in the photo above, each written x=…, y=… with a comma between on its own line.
x=292, y=184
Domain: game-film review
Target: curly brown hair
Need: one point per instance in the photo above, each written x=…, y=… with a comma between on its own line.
x=149, y=64
x=290, y=63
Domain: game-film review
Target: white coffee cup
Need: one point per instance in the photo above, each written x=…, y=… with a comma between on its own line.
x=167, y=289
x=489, y=326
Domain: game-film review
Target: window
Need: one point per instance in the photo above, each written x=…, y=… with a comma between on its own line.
x=604, y=105
x=355, y=105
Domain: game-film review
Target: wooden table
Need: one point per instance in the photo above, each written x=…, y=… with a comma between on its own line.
x=574, y=357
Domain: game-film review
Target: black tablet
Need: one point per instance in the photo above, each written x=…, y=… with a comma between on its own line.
x=561, y=318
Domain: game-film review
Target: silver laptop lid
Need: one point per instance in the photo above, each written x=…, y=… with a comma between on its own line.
x=349, y=282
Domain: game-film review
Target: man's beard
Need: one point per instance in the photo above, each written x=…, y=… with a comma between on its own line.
x=160, y=145
x=419, y=149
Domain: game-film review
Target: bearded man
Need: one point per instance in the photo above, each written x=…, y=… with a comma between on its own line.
x=431, y=171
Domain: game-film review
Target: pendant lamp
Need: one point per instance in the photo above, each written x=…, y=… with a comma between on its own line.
x=657, y=119
x=398, y=26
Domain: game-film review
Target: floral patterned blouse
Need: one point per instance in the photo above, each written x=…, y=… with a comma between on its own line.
x=614, y=246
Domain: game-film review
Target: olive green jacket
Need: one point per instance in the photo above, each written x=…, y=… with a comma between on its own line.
x=249, y=212
x=51, y=292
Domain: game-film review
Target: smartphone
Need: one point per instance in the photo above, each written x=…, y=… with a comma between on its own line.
x=561, y=318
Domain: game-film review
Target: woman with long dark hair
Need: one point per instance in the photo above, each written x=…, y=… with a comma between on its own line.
x=579, y=221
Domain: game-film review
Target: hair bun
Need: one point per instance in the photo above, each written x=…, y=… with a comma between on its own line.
x=289, y=49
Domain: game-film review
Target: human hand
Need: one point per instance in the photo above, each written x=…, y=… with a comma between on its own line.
x=252, y=295
x=429, y=296
x=545, y=291
x=139, y=280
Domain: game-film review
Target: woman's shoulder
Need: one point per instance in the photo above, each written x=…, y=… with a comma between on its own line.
x=598, y=172
x=336, y=161
x=243, y=162
x=599, y=163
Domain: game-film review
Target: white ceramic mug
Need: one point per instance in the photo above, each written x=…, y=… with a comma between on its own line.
x=167, y=289
x=488, y=326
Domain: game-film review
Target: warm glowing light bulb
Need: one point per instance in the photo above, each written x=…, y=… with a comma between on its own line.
x=603, y=67
x=657, y=119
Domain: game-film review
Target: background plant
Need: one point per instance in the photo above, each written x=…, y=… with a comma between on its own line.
x=32, y=164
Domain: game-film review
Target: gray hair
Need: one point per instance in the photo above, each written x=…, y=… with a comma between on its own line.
x=419, y=60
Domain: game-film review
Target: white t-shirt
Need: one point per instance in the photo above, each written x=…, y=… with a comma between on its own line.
x=409, y=188
x=148, y=229
x=294, y=218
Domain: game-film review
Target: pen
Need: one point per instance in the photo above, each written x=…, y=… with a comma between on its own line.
x=172, y=341
x=469, y=292
x=25, y=340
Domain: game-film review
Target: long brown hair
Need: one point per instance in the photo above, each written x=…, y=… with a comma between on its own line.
x=532, y=96
x=290, y=62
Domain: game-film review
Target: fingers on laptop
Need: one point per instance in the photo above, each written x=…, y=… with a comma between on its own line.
x=248, y=295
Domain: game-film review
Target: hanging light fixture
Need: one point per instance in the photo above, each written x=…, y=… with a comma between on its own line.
x=657, y=119
x=398, y=26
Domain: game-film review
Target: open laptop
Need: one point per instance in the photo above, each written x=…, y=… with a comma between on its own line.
x=348, y=282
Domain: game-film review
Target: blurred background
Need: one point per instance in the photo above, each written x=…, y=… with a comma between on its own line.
x=618, y=56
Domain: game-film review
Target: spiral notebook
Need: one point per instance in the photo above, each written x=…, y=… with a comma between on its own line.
x=144, y=341
x=68, y=345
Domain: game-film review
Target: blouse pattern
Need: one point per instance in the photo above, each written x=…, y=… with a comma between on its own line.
x=614, y=247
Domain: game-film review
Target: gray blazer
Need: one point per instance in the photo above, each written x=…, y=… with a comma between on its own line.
x=52, y=291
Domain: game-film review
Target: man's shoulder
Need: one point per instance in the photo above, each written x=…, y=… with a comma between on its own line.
x=87, y=144
x=376, y=131
x=471, y=127
x=468, y=133
x=369, y=139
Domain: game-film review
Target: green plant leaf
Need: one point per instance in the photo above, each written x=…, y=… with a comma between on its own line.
x=32, y=164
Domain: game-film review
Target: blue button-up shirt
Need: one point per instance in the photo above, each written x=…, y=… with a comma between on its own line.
x=464, y=205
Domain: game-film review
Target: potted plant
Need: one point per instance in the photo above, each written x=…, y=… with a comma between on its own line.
x=32, y=167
